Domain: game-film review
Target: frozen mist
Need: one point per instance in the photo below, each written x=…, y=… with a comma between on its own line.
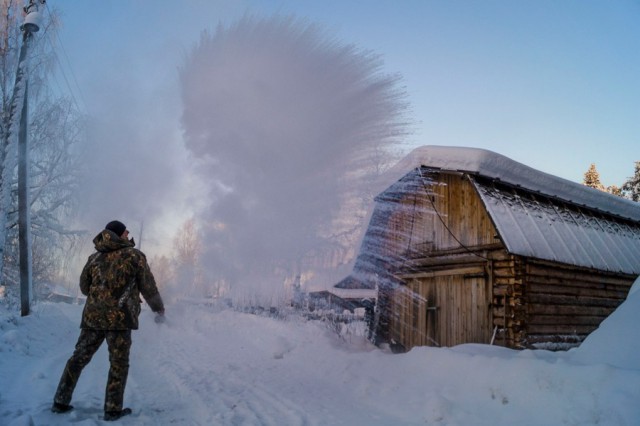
x=289, y=126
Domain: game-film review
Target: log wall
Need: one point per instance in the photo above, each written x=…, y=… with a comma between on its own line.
x=508, y=313
x=563, y=305
x=465, y=288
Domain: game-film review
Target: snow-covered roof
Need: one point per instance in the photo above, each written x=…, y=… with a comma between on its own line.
x=495, y=166
x=540, y=215
x=355, y=293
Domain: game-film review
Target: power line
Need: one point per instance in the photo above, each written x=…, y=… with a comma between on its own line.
x=62, y=67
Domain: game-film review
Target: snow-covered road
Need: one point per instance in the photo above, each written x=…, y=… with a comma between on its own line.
x=219, y=367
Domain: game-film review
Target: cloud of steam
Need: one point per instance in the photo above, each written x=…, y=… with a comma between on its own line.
x=135, y=164
x=288, y=124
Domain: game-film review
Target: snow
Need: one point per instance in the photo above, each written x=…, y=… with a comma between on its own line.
x=490, y=164
x=209, y=366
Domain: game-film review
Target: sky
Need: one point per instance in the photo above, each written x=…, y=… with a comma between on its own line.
x=206, y=366
x=550, y=84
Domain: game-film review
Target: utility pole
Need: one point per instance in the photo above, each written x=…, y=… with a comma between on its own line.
x=30, y=26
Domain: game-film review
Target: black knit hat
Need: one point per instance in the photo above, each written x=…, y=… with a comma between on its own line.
x=117, y=227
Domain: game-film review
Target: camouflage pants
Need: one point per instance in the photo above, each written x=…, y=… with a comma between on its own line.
x=119, y=343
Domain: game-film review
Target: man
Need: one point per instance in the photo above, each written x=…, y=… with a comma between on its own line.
x=112, y=280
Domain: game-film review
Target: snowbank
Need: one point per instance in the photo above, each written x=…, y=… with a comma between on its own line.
x=617, y=341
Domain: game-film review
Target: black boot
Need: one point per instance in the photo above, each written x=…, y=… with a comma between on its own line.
x=61, y=408
x=115, y=415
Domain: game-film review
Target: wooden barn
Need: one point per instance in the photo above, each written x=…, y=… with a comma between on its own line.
x=468, y=246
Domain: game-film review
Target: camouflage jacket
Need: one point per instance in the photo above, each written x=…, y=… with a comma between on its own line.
x=112, y=280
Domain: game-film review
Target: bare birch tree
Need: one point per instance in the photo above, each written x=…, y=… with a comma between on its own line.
x=54, y=133
x=187, y=248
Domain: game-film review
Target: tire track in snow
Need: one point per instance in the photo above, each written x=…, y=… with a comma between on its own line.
x=159, y=380
x=191, y=388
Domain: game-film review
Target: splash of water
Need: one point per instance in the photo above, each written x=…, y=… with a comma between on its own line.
x=290, y=126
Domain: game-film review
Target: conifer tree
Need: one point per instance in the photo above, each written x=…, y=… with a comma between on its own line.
x=592, y=178
x=631, y=187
